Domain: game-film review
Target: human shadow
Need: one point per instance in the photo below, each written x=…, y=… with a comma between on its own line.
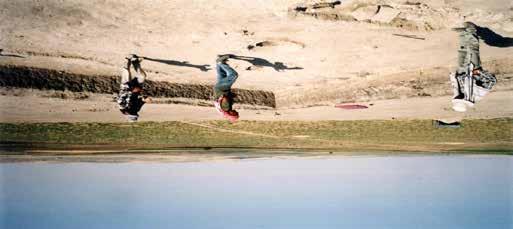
x=491, y=38
x=257, y=61
x=202, y=67
x=10, y=55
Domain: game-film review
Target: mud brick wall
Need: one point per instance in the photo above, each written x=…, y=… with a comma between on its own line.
x=48, y=79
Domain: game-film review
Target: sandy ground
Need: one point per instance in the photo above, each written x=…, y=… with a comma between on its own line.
x=306, y=60
x=103, y=109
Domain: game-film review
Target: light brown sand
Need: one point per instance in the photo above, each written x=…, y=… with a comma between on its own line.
x=102, y=109
x=337, y=57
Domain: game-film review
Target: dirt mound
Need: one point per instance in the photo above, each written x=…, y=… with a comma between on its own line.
x=46, y=79
x=408, y=15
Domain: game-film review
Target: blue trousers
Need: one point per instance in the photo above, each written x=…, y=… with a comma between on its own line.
x=226, y=77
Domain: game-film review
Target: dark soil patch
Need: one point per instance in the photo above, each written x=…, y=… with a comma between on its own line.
x=48, y=79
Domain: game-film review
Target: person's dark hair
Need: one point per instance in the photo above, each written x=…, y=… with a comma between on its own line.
x=134, y=83
x=228, y=99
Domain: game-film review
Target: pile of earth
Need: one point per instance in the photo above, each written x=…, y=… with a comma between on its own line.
x=12, y=76
x=412, y=15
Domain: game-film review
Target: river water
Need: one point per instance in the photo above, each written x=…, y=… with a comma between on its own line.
x=338, y=192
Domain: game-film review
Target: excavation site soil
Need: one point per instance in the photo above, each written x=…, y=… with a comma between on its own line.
x=60, y=60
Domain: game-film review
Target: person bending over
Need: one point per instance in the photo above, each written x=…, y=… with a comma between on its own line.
x=470, y=81
x=224, y=97
x=131, y=97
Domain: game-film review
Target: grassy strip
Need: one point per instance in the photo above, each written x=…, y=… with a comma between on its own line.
x=490, y=136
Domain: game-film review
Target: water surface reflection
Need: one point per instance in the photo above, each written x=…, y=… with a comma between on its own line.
x=345, y=192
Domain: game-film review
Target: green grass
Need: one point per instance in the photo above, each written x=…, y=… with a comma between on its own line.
x=485, y=136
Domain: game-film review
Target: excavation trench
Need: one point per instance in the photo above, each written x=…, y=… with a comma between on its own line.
x=48, y=79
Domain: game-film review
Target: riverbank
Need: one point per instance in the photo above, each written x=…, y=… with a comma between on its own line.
x=491, y=136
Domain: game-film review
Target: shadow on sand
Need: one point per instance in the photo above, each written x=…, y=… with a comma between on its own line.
x=256, y=61
x=491, y=38
x=203, y=67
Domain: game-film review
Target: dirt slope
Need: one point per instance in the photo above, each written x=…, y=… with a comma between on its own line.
x=304, y=60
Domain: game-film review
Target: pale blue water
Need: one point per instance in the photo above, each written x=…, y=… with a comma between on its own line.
x=344, y=192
